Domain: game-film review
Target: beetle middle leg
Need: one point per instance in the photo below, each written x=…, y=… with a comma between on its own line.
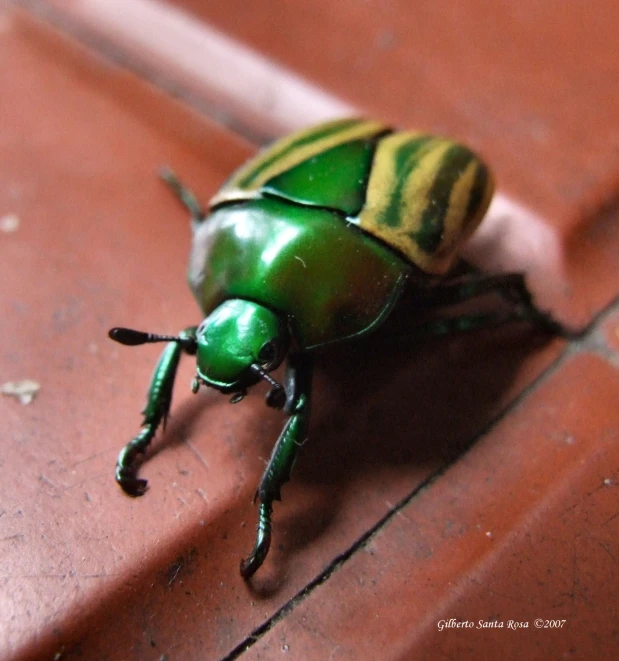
x=511, y=286
x=279, y=468
x=155, y=412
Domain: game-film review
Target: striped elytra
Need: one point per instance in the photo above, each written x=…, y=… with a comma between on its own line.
x=420, y=194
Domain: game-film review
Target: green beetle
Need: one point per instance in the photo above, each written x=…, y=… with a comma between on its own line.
x=313, y=242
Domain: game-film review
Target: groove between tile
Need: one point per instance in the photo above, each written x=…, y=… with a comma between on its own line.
x=568, y=354
x=566, y=478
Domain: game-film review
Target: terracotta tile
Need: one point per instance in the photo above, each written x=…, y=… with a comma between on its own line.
x=90, y=573
x=535, y=88
x=523, y=527
x=507, y=79
x=100, y=242
x=610, y=331
x=240, y=86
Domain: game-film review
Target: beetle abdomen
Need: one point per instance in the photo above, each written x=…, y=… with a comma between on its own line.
x=425, y=197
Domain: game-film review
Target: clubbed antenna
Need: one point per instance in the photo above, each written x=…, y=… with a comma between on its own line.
x=277, y=395
x=132, y=338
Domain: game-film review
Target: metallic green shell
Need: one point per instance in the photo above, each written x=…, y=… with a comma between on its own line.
x=249, y=181
x=331, y=281
x=421, y=195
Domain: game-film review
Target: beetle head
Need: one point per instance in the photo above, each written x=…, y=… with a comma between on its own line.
x=237, y=345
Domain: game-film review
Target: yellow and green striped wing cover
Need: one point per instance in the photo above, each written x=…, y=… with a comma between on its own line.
x=425, y=197
x=283, y=155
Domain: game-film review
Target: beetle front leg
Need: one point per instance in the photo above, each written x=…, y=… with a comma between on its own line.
x=155, y=412
x=279, y=468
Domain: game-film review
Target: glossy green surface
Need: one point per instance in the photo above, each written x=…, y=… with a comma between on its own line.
x=285, y=154
x=158, y=401
x=334, y=179
x=311, y=242
x=234, y=336
x=419, y=194
x=329, y=279
x=284, y=455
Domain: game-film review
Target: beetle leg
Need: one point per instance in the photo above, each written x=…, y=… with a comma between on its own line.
x=511, y=286
x=155, y=412
x=184, y=194
x=279, y=468
x=465, y=323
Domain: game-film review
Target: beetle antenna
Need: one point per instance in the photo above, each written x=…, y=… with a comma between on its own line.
x=133, y=338
x=267, y=377
x=277, y=396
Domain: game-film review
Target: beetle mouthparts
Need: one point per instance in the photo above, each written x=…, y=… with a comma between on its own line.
x=238, y=396
x=197, y=382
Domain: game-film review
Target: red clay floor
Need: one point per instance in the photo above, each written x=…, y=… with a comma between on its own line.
x=458, y=498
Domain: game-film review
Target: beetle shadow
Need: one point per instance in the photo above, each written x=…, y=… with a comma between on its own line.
x=383, y=404
x=183, y=418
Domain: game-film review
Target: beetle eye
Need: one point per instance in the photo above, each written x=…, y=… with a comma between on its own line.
x=267, y=353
